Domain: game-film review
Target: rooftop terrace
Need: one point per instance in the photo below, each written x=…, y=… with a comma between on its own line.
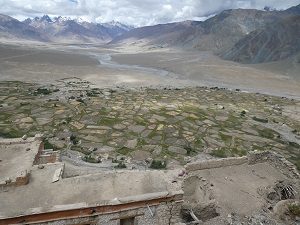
x=17, y=157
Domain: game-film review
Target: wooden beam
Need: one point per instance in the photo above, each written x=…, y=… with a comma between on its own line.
x=81, y=212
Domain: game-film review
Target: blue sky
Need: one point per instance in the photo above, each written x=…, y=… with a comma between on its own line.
x=133, y=12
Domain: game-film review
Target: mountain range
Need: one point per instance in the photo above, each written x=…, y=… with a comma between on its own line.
x=13, y=29
x=60, y=29
x=242, y=35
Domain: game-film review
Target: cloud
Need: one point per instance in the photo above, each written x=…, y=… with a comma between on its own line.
x=134, y=12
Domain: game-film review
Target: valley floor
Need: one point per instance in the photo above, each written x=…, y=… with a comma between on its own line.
x=134, y=109
x=108, y=66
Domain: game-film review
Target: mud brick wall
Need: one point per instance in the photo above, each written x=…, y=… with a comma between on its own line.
x=37, y=156
x=216, y=163
x=163, y=214
x=276, y=160
x=160, y=211
x=23, y=179
x=44, y=159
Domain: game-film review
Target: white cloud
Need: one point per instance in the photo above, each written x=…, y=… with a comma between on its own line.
x=134, y=12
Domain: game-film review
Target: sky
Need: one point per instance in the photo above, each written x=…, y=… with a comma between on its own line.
x=133, y=12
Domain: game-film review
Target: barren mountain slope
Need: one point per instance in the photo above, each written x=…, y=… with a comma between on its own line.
x=228, y=27
x=12, y=28
x=217, y=34
x=180, y=34
x=277, y=41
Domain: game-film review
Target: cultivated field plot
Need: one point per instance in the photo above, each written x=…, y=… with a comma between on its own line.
x=142, y=127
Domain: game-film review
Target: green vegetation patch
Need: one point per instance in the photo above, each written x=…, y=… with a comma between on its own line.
x=90, y=159
x=44, y=91
x=267, y=133
x=11, y=133
x=74, y=139
x=225, y=138
x=48, y=145
x=141, y=142
x=259, y=148
x=190, y=151
x=124, y=151
x=220, y=153
x=296, y=161
x=93, y=93
x=294, y=144
x=140, y=121
x=121, y=165
x=294, y=209
x=103, y=111
x=238, y=152
x=261, y=120
x=158, y=164
x=232, y=121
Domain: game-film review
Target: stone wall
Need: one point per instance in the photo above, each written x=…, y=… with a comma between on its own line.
x=276, y=160
x=14, y=141
x=21, y=179
x=50, y=158
x=163, y=214
x=164, y=211
x=45, y=156
x=216, y=163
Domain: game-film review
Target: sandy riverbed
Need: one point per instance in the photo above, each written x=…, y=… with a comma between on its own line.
x=108, y=67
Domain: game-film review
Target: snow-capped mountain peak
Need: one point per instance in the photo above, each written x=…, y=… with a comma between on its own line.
x=62, y=19
x=114, y=23
x=46, y=18
x=62, y=27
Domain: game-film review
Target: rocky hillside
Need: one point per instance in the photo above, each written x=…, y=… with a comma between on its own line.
x=276, y=41
x=223, y=31
x=162, y=34
x=217, y=34
x=227, y=28
x=13, y=29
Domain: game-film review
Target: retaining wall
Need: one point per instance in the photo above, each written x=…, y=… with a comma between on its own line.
x=275, y=159
x=216, y=163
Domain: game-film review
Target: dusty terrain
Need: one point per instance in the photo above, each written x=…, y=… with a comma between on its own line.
x=48, y=63
x=139, y=66
x=204, y=68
